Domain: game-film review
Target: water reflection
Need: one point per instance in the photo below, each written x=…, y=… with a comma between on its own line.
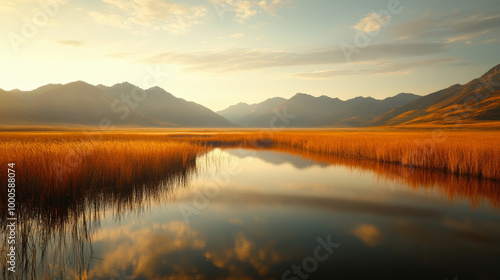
x=479, y=192
x=390, y=221
x=54, y=237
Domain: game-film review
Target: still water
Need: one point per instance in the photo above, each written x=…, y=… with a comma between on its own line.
x=246, y=214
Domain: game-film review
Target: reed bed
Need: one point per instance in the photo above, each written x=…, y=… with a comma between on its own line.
x=72, y=162
x=58, y=168
x=471, y=153
x=66, y=179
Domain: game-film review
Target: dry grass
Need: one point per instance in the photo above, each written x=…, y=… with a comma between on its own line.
x=58, y=165
x=70, y=166
x=472, y=153
x=89, y=158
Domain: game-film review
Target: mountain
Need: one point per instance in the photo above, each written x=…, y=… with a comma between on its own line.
x=79, y=103
x=124, y=104
x=243, y=114
x=164, y=107
x=323, y=111
x=476, y=101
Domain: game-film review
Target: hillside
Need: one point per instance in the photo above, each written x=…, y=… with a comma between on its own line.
x=476, y=101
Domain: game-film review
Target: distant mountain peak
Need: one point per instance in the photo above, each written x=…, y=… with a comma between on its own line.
x=363, y=98
x=125, y=84
x=404, y=94
x=302, y=94
x=120, y=85
x=492, y=72
x=275, y=98
x=78, y=83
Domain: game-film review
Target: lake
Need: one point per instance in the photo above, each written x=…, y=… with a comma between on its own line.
x=260, y=214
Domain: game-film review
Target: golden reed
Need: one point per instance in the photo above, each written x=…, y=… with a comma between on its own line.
x=55, y=165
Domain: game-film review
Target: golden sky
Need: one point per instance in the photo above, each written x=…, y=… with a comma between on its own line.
x=221, y=52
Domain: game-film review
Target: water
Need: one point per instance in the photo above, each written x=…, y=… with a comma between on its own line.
x=273, y=215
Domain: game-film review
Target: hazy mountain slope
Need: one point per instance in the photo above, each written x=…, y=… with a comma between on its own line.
x=79, y=103
x=243, y=114
x=83, y=104
x=262, y=108
x=13, y=110
x=163, y=106
x=478, y=100
x=236, y=113
x=310, y=111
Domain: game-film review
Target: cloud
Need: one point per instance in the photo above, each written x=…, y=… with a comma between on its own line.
x=459, y=38
x=237, y=35
x=156, y=14
x=371, y=23
x=491, y=41
x=381, y=67
x=231, y=60
x=260, y=256
x=450, y=28
x=246, y=9
x=21, y=6
x=150, y=248
x=177, y=250
x=72, y=43
x=270, y=6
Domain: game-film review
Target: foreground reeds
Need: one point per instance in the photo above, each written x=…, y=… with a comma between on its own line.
x=72, y=165
x=66, y=180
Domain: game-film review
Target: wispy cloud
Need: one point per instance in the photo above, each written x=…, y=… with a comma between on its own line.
x=72, y=43
x=154, y=14
x=450, y=28
x=491, y=41
x=237, y=35
x=371, y=23
x=270, y=6
x=231, y=60
x=380, y=67
x=246, y=9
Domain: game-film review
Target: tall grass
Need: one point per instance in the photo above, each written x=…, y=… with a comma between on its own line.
x=72, y=165
x=57, y=165
x=472, y=153
x=66, y=179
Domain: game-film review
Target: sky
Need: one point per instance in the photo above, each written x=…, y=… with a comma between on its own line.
x=222, y=52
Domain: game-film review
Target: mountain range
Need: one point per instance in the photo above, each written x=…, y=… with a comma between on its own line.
x=309, y=111
x=124, y=104
x=79, y=103
x=476, y=101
